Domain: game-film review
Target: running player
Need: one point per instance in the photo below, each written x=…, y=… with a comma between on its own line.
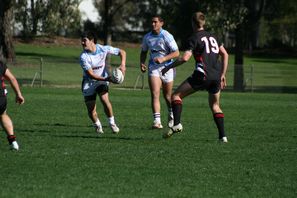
x=96, y=78
x=163, y=49
x=5, y=120
x=209, y=74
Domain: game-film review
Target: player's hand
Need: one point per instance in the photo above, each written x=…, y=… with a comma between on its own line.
x=108, y=78
x=223, y=82
x=159, y=60
x=164, y=70
x=143, y=67
x=123, y=69
x=19, y=99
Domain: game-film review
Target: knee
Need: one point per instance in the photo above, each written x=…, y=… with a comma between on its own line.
x=215, y=108
x=176, y=97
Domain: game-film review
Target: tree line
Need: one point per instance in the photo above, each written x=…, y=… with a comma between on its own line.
x=242, y=25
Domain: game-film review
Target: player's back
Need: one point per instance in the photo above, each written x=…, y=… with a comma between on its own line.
x=206, y=53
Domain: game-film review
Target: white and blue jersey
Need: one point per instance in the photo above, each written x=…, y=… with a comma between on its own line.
x=159, y=46
x=96, y=60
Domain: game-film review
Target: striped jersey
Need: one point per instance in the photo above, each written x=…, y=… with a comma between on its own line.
x=159, y=45
x=96, y=60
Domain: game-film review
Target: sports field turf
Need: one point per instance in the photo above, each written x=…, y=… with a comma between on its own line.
x=61, y=156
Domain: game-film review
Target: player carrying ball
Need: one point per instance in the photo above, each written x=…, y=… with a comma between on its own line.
x=96, y=78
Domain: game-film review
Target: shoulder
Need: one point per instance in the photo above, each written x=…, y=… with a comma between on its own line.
x=147, y=35
x=166, y=34
x=83, y=55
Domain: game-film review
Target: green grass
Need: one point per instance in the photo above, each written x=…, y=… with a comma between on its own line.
x=61, y=156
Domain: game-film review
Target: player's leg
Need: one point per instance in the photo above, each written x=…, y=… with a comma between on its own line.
x=218, y=115
x=104, y=97
x=167, y=85
x=182, y=91
x=8, y=128
x=167, y=92
x=90, y=94
x=7, y=124
x=90, y=102
x=155, y=84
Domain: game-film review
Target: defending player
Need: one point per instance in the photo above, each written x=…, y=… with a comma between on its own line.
x=209, y=74
x=6, y=122
x=163, y=49
x=96, y=78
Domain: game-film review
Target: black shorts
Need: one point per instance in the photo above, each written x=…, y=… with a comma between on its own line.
x=101, y=89
x=3, y=104
x=198, y=82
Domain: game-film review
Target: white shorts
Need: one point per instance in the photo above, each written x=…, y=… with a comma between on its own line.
x=89, y=86
x=166, y=78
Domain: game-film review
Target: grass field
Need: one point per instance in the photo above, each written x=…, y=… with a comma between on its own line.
x=61, y=156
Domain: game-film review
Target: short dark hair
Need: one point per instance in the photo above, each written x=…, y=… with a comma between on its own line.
x=159, y=18
x=198, y=19
x=90, y=35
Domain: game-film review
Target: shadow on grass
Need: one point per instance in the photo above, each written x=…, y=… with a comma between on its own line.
x=267, y=89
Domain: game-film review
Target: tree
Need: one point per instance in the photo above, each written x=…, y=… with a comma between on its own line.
x=119, y=10
x=61, y=17
x=6, y=39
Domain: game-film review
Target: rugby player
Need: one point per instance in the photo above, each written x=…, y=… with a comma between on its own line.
x=209, y=74
x=6, y=74
x=163, y=49
x=96, y=78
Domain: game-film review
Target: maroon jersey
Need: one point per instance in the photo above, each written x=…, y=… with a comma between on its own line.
x=205, y=49
x=2, y=72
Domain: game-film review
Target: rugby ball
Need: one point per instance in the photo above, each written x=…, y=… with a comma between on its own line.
x=117, y=76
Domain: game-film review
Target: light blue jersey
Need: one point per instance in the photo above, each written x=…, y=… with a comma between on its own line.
x=96, y=60
x=159, y=46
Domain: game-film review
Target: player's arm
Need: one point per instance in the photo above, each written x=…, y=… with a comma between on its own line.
x=92, y=75
x=122, y=55
x=225, y=57
x=15, y=86
x=170, y=56
x=179, y=61
x=142, y=60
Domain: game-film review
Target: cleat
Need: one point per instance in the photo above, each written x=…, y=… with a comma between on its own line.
x=223, y=140
x=170, y=121
x=175, y=129
x=98, y=129
x=114, y=128
x=157, y=125
x=14, y=146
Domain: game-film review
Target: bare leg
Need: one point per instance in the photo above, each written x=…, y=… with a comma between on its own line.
x=218, y=115
x=106, y=104
x=155, y=84
x=8, y=128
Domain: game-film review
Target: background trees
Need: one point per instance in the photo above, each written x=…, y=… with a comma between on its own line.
x=6, y=43
x=242, y=25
